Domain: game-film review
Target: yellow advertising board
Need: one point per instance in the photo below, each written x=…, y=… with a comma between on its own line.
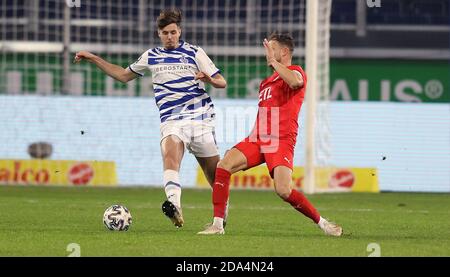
x=51, y=172
x=327, y=179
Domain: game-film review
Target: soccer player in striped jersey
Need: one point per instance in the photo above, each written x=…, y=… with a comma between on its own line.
x=179, y=72
x=273, y=138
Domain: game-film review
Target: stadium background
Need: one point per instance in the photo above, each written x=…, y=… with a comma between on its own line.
x=389, y=85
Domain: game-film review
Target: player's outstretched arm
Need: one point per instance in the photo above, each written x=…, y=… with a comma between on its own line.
x=117, y=72
x=217, y=81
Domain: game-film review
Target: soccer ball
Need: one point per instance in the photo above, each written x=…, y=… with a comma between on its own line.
x=117, y=218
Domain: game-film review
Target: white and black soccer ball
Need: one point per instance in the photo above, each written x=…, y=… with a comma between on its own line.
x=117, y=218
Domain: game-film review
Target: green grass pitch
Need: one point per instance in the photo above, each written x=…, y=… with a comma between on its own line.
x=42, y=221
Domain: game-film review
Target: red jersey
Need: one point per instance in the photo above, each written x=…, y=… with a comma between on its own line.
x=278, y=108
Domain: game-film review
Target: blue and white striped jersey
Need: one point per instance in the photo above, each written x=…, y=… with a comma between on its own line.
x=177, y=95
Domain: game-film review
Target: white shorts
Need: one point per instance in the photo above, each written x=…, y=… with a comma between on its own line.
x=197, y=136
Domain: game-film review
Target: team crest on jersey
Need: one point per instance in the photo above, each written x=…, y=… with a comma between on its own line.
x=184, y=60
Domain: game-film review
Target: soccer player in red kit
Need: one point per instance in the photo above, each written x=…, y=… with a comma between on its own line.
x=273, y=137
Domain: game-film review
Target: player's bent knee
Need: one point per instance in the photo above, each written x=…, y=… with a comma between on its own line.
x=283, y=191
x=225, y=164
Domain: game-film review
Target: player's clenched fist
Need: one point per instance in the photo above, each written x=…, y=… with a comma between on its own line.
x=88, y=56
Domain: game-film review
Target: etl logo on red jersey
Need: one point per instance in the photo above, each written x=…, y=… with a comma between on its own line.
x=265, y=94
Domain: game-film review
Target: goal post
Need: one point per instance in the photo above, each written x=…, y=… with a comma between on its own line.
x=317, y=59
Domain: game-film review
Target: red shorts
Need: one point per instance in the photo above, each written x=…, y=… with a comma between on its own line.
x=257, y=154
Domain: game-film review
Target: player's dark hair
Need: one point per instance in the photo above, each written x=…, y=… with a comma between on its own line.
x=284, y=39
x=169, y=16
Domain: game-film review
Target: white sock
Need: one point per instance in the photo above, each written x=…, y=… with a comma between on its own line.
x=218, y=222
x=322, y=222
x=172, y=186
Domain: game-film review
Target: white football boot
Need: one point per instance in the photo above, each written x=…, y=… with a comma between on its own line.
x=331, y=229
x=211, y=229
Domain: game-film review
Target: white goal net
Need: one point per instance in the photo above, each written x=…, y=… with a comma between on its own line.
x=39, y=38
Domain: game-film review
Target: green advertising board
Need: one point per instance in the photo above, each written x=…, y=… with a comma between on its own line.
x=350, y=79
x=390, y=80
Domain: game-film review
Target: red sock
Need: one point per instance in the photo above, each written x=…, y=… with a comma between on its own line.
x=301, y=204
x=221, y=191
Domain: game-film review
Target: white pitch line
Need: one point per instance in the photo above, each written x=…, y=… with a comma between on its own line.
x=319, y=208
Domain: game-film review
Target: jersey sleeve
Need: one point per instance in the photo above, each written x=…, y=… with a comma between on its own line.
x=205, y=64
x=140, y=66
x=299, y=70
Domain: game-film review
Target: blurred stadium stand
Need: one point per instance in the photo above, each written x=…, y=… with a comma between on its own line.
x=398, y=24
x=421, y=12
x=429, y=12
x=407, y=24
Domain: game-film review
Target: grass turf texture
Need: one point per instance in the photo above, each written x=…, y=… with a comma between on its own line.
x=42, y=221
